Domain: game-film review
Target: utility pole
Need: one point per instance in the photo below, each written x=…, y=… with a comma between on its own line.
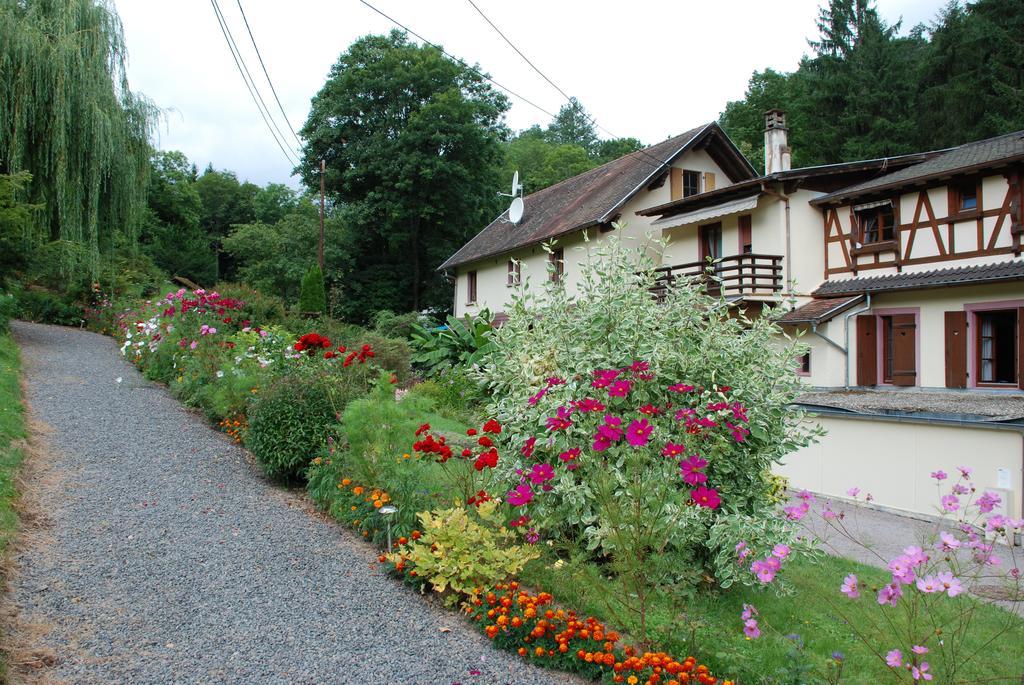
x=320, y=251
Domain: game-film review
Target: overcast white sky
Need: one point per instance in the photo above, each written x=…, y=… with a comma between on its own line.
x=643, y=69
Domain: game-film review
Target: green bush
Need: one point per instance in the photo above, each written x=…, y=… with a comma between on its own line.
x=8, y=310
x=313, y=297
x=259, y=308
x=454, y=391
x=386, y=322
x=45, y=307
x=391, y=354
x=464, y=341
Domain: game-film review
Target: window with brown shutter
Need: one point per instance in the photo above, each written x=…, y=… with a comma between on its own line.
x=709, y=181
x=471, y=287
x=515, y=273
x=557, y=259
x=746, y=239
x=956, y=349
x=691, y=183
x=867, y=354
x=675, y=183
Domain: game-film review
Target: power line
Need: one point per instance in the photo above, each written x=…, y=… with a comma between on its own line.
x=526, y=59
x=250, y=84
x=269, y=82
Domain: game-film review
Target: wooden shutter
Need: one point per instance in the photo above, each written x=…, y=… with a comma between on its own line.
x=676, y=183
x=867, y=350
x=709, y=181
x=471, y=287
x=956, y=349
x=1020, y=342
x=904, y=349
x=745, y=237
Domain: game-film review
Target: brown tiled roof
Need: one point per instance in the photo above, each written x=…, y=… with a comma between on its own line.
x=584, y=200
x=963, y=275
x=820, y=310
x=964, y=159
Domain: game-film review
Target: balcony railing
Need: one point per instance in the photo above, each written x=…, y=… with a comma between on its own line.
x=736, y=275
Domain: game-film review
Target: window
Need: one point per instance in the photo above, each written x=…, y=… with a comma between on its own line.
x=996, y=346
x=746, y=241
x=471, y=287
x=803, y=364
x=557, y=260
x=966, y=195
x=876, y=223
x=691, y=183
x=515, y=274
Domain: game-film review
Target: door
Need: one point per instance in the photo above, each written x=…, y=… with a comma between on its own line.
x=903, y=349
x=710, y=238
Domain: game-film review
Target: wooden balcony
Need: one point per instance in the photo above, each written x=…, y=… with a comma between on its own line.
x=741, y=275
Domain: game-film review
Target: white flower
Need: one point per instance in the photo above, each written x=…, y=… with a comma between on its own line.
x=119, y=379
x=220, y=374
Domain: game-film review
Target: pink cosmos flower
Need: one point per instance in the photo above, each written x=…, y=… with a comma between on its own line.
x=739, y=434
x=781, y=550
x=765, y=569
x=529, y=446
x=639, y=433
x=194, y=345
x=748, y=612
x=916, y=555
x=520, y=496
x=929, y=585
x=558, y=423
x=853, y=492
x=988, y=501
x=902, y=570
x=680, y=387
x=950, y=583
x=673, y=449
x=920, y=672
x=889, y=594
x=960, y=489
x=796, y=512
x=995, y=522
x=947, y=542
x=950, y=502
x=894, y=659
x=751, y=629
x=965, y=472
x=620, y=388
x=541, y=473
x=706, y=497
x=919, y=649
x=649, y=410
x=691, y=470
x=805, y=495
x=939, y=475
x=849, y=586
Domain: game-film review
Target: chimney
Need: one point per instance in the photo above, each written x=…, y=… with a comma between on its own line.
x=776, y=143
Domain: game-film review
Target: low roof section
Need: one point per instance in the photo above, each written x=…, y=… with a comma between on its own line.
x=969, y=158
x=819, y=310
x=595, y=197
x=980, y=274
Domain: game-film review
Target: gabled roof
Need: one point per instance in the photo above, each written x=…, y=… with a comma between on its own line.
x=595, y=196
x=964, y=159
x=918, y=280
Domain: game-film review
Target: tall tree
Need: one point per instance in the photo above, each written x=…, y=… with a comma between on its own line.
x=68, y=117
x=226, y=202
x=411, y=144
x=573, y=126
x=744, y=119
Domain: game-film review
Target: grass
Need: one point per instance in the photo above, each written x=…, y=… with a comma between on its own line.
x=801, y=632
x=12, y=432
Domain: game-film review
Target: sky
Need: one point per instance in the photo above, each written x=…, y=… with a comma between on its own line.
x=643, y=69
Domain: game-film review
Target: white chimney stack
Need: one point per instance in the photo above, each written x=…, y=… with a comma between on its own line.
x=776, y=142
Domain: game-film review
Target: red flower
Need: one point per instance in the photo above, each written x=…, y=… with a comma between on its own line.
x=487, y=459
x=471, y=432
x=492, y=426
x=485, y=441
x=422, y=429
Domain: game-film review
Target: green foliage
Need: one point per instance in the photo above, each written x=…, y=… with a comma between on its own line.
x=400, y=127
x=43, y=306
x=12, y=432
x=464, y=550
x=291, y=420
x=390, y=353
x=464, y=341
x=68, y=118
x=8, y=310
x=226, y=203
x=313, y=297
x=259, y=308
x=15, y=224
x=386, y=322
x=454, y=390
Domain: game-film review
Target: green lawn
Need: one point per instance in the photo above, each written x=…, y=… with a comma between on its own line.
x=712, y=629
x=12, y=431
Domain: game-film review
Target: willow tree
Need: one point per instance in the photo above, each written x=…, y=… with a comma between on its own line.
x=68, y=117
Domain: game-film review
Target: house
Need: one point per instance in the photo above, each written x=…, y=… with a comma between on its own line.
x=903, y=275
x=504, y=254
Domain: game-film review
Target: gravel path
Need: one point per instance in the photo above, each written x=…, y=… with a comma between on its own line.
x=167, y=558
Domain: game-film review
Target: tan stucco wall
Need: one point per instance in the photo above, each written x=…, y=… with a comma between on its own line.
x=492, y=274
x=892, y=461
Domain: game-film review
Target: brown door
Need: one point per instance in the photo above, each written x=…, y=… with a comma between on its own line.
x=904, y=349
x=867, y=353
x=956, y=349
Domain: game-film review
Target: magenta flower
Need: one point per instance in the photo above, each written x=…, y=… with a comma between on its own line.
x=902, y=570
x=920, y=672
x=673, y=449
x=797, y=512
x=950, y=503
x=520, y=496
x=680, y=387
x=649, y=410
x=849, y=586
x=588, y=404
x=889, y=594
x=894, y=659
x=805, y=495
x=534, y=399
x=620, y=388
x=939, y=475
x=706, y=497
x=604, y=377
x=919, y=649
x=916, y=555
x=639, y=367
x=541, y=473
x=739, y=434
x=528, y=447
x=570, y=454
x=965, y=472
x=748, y=612
x=988, y=501
x=781, y=550
x=853, y=492
x=639, y=433
x=691, y=468
x=556, y=423
x=751, y=629
x=765, y=569
x=947, y=542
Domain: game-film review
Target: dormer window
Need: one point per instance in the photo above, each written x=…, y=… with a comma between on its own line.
x=966, y=197
x=876, y=222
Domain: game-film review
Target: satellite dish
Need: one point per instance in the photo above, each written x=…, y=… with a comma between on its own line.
x=515, y=210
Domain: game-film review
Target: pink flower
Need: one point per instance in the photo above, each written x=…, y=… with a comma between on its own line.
x=797, y=512
x=557, y=423
x=950, y=502
x=965, y=472
x=620, y=388
x=748, y=612
x=639, y=433
x=537, y=398
x=889, y=594
x=929, y=585
x=673, y=449
x=920, y=672
x=680, y=387
x=608, y=433
x=639, y=367
x=805, y=495
x=894, y=659
x=939, y=475
x=947, y=542
x=706, y=497
x=588, y=404
x=520, y=496
x=853, y=492
x=739, y=434
x=649, y=410
x=691, y=470
x=765, y=569
x=528, y=447
x=604, y=377
x=570, y=454
x=902, y=570
x=194, y=345
x=950, y=583
x=751, y=629
x=541, y=473
x=781, y=550
x=918, y=649
x=849, y=586
x=916, y=555
x=988, y=501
